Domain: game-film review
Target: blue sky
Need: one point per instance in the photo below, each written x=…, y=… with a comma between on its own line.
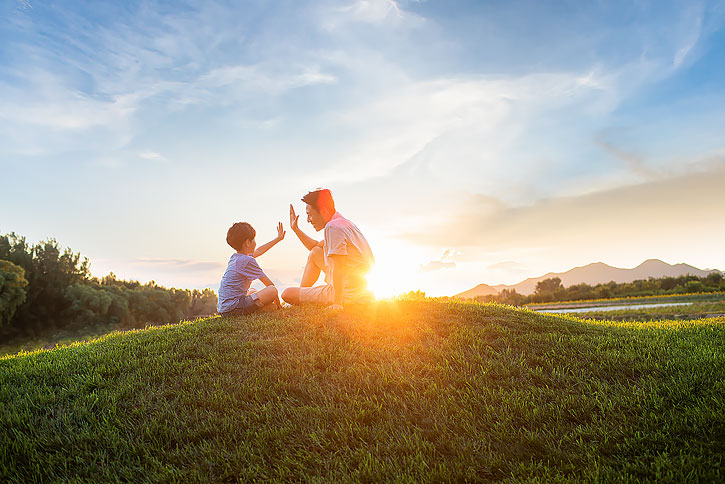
x=501, y=139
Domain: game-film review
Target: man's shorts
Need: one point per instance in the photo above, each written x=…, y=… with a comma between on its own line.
x=246, y=305
x=324, y=295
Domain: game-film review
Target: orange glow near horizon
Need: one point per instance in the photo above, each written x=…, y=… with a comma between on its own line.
x=395, y=271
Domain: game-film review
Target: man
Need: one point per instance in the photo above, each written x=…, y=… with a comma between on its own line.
x=343, y=255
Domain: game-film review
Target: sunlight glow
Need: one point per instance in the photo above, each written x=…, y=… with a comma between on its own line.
x=396, y=268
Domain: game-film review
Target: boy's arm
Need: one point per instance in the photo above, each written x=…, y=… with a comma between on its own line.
x=306, y=240
x=266, y=281
x=339, y=269
x=265, y=247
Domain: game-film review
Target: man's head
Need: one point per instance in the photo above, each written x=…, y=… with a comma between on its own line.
x=320, y=207
x=241, y=237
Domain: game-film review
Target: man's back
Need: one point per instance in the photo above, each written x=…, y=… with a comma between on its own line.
x=342, y=237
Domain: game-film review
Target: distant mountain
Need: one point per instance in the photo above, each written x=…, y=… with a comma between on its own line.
x=593, y=274
x=480, y=290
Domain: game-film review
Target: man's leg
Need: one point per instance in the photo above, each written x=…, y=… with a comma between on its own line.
x=315, y=265
x=291, y=295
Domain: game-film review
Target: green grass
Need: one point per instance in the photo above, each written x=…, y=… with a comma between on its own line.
x=55, y=337
x=407, y=392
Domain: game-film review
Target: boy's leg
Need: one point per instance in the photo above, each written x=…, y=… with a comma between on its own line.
x=315, y=265
x=268, y=298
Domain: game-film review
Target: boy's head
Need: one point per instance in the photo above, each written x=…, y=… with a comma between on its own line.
x=241, y=237
x=320, y=207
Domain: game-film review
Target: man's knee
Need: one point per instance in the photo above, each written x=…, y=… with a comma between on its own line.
x=291, y=295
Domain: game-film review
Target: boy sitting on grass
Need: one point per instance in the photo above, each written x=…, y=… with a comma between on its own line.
x=234, y=294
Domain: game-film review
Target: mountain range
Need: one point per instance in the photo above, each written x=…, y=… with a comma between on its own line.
x=593, y=274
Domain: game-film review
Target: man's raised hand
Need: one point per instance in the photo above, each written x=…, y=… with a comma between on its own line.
x=293, y=218
x=280, y=231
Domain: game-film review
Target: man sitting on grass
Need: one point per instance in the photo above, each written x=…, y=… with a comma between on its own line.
x=234, y=294
x=343, y=255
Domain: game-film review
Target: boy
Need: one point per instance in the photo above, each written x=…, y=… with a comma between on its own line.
x=234, y=296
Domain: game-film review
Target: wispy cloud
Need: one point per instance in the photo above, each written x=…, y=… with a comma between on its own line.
x=113, y=75
x=435, y=265
x=636, y=216
x=185, y=264
x=448, y=127
x=375, y=12
x=632, y=160
x=153, y=156
x=446, y=262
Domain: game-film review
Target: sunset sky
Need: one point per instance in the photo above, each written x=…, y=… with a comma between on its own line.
x=471, y=141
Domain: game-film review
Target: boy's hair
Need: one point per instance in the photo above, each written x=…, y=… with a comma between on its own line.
x=319, y=199
x=239, y=233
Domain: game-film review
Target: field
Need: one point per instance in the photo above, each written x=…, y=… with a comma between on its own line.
x=404, y=392
x=707, y=297
x=707, y=305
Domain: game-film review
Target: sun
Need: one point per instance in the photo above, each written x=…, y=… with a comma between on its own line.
x=383, y=282
x=395, y=271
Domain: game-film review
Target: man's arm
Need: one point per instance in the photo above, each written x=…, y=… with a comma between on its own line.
x=338, y=265
x=265, y=247
x=306, y=240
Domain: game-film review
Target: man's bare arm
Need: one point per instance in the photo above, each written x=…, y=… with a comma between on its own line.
x=265, y=247
x=306, y=240
x=266, y=281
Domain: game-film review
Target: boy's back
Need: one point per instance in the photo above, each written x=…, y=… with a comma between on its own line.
x=241, y=271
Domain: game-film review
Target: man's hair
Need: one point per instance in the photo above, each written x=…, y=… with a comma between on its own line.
x=239, y=233
x=319, y=199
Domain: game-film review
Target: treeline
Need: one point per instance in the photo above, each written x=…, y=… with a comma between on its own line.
x=44, y=287
x=550, y=290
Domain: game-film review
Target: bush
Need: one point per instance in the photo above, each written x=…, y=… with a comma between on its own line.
x=12, y=289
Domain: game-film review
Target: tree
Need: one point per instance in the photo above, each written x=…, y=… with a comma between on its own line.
x=49, y=271
x=203, y=303
x=511, y=297
x=12, y=289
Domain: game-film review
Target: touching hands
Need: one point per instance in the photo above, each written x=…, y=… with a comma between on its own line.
x=293, y=218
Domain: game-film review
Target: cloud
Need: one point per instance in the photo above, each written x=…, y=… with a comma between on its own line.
x=449, y=254
x=506, y=266
x=666, y=212
x=445, y=262
x=471, y=133
x=174, y=264
x=113, y=77
x=693, y=19
x=373, y=12
x=153, y=156
x=435, y=265
x=633, y=160
x=188, y=273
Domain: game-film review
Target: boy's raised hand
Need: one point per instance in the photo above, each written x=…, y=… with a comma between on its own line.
x=280, y=231
x=293, y=218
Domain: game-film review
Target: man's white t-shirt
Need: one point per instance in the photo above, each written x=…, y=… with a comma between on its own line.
x=342, y=237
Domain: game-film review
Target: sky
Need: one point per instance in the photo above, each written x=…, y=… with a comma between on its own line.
x=471, y=141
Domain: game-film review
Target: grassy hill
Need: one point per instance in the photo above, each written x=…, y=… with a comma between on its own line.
x=405, y=392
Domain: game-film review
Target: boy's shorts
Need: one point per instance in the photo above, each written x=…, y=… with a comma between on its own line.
x=324, y=295
x=247, y=305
